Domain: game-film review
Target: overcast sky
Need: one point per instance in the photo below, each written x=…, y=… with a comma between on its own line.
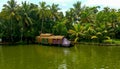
x=66, y=4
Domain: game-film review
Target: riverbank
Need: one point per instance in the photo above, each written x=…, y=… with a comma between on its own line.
x=97, y=44
x=15, y=43
x=82, y=43
x=115, y=42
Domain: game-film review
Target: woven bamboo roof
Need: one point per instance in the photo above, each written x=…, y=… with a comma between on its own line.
x=53, y=37
x=57, y=37
x=45, y=35
x=50, y=36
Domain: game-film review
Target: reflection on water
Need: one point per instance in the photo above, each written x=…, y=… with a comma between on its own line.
x=63, y=65
x=47, y=57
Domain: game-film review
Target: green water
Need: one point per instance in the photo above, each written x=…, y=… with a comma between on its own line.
x=47, y=57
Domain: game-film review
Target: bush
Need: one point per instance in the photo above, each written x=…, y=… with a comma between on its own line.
x=108, y=41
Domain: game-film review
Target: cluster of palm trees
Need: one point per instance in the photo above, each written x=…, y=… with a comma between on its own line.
x=92, y=24
x=80, y=23
x=23, y=22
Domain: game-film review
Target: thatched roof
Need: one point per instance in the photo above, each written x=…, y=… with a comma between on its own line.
x=53, y=37
x=50, y=36
x=45, y=35
x=56, y=37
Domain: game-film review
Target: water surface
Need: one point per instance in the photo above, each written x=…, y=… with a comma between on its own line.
x=51, y=57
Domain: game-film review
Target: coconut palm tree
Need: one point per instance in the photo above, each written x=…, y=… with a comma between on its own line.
x=77, y=11
x=10, y=8
x=70, y=18
x=54, y=9
x=77, y=7
x=43, y=12
x=25, y=20
x=101, y=33
x=88, y=14
x=77, y=32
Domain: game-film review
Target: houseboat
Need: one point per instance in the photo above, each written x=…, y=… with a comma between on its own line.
x=50, y=39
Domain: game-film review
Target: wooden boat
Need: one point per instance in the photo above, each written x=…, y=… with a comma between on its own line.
x=53, y=40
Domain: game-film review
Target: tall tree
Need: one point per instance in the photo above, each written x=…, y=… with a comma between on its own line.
x=26, y=21
x=43, y=13
x=54, y=9
x=10, y=8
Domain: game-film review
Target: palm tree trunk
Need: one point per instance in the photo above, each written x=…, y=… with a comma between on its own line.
x=11, y=31
x=22, y=33
x=42, y=26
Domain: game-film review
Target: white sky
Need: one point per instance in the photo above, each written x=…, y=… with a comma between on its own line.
x=110, y=3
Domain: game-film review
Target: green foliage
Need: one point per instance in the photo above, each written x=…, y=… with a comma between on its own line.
x=108, y=41
x=60, y=29
x=81, y=23
x=77, y=32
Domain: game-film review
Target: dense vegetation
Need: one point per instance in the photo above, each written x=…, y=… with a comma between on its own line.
x=21, y=23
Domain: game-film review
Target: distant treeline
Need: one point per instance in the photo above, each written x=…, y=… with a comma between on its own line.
x=80, y=23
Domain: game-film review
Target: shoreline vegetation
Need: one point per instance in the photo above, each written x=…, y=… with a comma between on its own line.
x=114, y=43
x=20, y=24
x=80, y=43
